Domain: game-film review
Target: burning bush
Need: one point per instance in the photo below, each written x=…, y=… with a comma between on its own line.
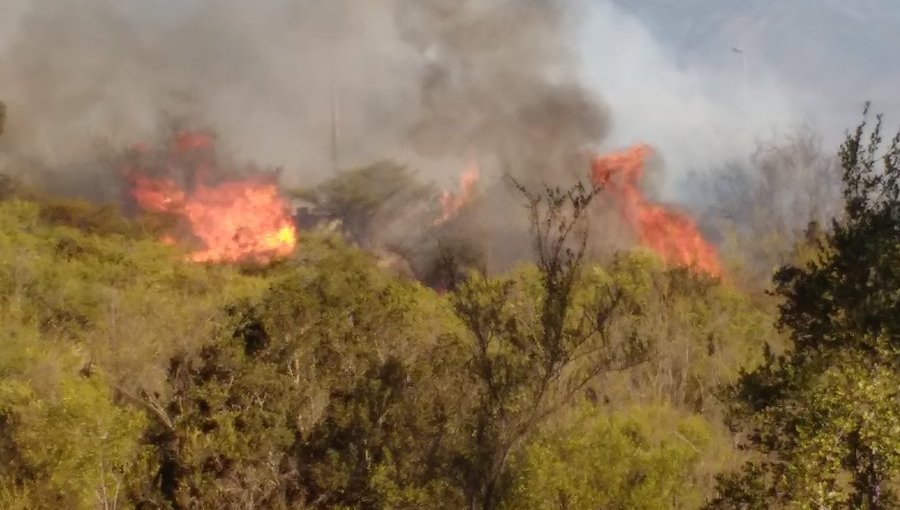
x=673, y=236
x=234, y=220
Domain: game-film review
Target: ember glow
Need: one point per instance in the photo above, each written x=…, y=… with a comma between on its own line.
x=452, y=203
x=670, y=234
x=243, y=220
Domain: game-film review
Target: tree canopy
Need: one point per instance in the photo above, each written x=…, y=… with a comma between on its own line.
x=132, y=378
x=825, y=415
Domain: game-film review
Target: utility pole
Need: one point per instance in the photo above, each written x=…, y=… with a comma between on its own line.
x=335, y=127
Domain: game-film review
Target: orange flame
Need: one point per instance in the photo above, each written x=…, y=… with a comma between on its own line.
x=671, y=234
x=452, y=204
x=236, y=221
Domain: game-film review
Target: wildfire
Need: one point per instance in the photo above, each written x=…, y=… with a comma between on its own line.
x=452, y=203
x=234, y=221
x=670, y=234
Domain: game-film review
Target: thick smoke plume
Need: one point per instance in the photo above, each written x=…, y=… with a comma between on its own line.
x=313, y=86
x=432, y=80
x=306, y=85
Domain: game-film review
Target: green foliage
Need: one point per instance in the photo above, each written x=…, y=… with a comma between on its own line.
x=698, y=332
x=106, y=292
x=370, y=359
x=131, y=378
x=226, y=433
x=644, y=458
x=532, y=343
x=827, y=413
x=64, y=443
x=378, y=195
x=88, y=293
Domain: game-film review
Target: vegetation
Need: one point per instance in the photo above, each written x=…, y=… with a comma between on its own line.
x=761, y=208
x=826, y=414
x=371, y=202
x=130, y=378
x=643, y=457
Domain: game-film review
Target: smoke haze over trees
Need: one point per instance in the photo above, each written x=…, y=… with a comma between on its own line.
x=395, y=254
x=434, y=80
x=408, y=75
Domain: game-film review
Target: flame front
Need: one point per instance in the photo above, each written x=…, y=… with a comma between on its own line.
x=670, y=234
x=452, y=204
x=235, y=221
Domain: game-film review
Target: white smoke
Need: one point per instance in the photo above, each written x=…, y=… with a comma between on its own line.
x=698, y=117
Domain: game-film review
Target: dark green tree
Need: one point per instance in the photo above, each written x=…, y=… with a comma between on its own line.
x=224, y=438
x=825, y=415
x=359, y=350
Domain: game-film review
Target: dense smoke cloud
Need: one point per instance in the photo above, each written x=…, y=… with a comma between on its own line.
x=530, y=87
x=425, y=81
x=521, y=84
x=501, y=81
x=260, y=74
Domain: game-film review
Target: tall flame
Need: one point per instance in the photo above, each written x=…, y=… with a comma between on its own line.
x=671, y=234
x=242, y=220
x=452, y=204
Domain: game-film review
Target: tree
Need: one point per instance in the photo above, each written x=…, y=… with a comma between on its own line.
x=825, y=415
x=763, y=207
x=699, y=333
x=227, y=432
x=534, y=341
x=132, y=377
x=370, y=201
x=642, y=458
x=64, y=443
x=359, y=350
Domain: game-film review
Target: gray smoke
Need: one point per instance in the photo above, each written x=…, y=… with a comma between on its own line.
x=502, y=82
x=431, y=82
x=513, y=84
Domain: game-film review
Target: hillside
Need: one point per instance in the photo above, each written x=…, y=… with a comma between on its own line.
x=418, y=254
x=136, y=377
